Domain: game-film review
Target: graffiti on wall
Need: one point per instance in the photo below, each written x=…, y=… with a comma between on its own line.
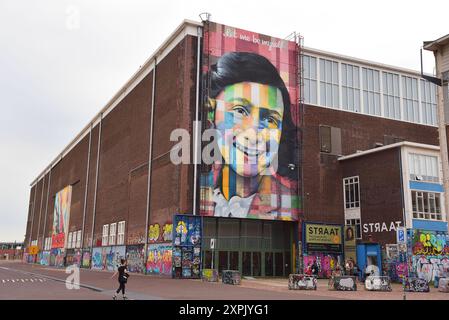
x=429, y=267
x=326, y=263
x=430, y=243
x=187, y=246
x=61, y=216
x=251, y=102
x=135, y=257
x=45, y=258
x=113, y=257
x=159, y=259
x=156, y=233
x=86, y=259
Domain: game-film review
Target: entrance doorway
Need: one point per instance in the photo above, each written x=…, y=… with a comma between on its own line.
x=257, y=248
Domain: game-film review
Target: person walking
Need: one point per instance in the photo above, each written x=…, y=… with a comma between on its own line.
x=122, y=278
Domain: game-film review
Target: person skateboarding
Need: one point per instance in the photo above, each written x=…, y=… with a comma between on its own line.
x=122, y=278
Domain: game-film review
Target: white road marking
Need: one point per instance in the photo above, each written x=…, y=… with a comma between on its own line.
x=40, y=280
x=12, y=280
x=22, y=280
x=3, y=281
x=31, y=280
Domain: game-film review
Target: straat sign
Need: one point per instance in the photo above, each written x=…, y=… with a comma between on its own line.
x=323, y=238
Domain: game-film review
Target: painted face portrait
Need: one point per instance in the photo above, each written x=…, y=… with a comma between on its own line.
x=248, y=117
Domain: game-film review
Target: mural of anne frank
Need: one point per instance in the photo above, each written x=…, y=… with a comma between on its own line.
x=256, y=177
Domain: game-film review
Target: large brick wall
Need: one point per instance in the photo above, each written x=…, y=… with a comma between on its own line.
x=380, y=191
x=322, y=173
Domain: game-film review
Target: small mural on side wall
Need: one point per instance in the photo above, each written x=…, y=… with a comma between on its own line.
x=159, y=259
x=135, y=257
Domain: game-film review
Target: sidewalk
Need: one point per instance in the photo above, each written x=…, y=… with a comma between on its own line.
x=149, y=287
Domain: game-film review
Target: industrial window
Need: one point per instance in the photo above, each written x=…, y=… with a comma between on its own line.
x=391, y=95
x=69, y=242
x=350, y=80
x=410, y=99
x=112, y=233
x=426, y=205
x=121, y=233
x=371, y=91
x=423, y=167
x=74, y=235
x=351, y=192
x=78, y=239
x=104, y=240
x=330, y=139
x=329, y=95
x=358, y=227
x=310, y=79
x=428, y=103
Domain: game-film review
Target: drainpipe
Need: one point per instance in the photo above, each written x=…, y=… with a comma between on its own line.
x=46, y=205
x=404, y=219
x=150, y=159
x=40, y=210
x=196, y=127
x=87, y=187
x=96, y=186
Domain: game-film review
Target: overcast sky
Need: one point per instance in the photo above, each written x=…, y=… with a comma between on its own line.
x=61, y=61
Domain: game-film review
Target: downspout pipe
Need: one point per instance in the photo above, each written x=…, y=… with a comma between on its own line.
x=87, y=187
x=150, y=159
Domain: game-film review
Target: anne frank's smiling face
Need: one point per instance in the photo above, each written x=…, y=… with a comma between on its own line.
x=248, y=116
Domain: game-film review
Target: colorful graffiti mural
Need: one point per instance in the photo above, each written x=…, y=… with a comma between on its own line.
x=156, y=233
x=430, y=258
x=378, y=283
x=342, y=283
x=231, y=277
x=45, y=258
x=99, y=258
x=326, y=263
x=251, y=102
x=86, y=259
x=113, y=257
x=135, y=257
x=61, y=216
x=430, y=243
x=159, y=259
x=187, y=246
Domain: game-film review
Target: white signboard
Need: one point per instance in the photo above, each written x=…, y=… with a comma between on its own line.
x=212, y=243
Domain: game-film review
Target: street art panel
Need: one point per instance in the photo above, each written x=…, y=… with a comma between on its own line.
x=86, y=259
x=326, y=263
x=159, y=259
x=342, y=283
x=187, y=246
x=135, y=257
x=61, y=216
x=416, y=285
x=378, y=283
x=113, y=257
x=250, y=98
x=430, y=250
x=45, y=258
x=231, y=277
x=301, y=282
x=99, y=258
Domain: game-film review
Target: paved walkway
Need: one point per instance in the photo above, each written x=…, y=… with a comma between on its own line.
x=146, y=287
